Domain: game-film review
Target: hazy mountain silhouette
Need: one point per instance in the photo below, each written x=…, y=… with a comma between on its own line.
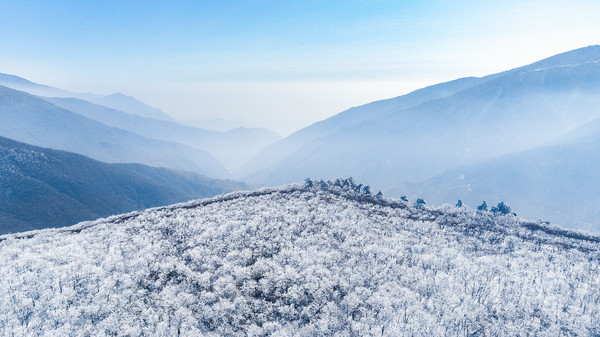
x=131, y=105
x=558, y=183
x=35, y=121
x=424, y=133
x=215, y=124
x=117, y=101
x=232, y=148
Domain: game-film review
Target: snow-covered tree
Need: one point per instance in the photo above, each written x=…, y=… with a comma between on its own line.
x=301, y=260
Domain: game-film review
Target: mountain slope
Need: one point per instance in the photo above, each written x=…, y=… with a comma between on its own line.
x=232, y=148
x=47, y=188
x=559, y=183
x=351, y=118
x=214, y=124
x=475, y=119
x=300, y=261
x=131, y=105
x=34, y=121
x=19, y=83
x=117, y=101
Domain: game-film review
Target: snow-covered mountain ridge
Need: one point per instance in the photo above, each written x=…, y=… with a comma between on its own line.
x=313, y=259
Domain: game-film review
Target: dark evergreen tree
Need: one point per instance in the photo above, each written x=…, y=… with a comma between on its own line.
x=502, y=209
x=308, y=182
x=420, y=202
x=483, y=206
x=350, y=183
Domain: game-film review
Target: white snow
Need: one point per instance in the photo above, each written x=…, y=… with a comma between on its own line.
x=301, y=260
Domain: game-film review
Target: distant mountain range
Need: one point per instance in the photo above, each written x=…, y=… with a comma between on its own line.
x=114, y=129
x=232, y=148
x=215, y=124
x=30, y=119
x=560, y=183
x=42, y=188
x=528, y=120
x=395, y=143
x=320, y=260
x=116, y=101
x=421, y=134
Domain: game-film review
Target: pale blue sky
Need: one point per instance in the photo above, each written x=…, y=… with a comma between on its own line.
x=279, y=64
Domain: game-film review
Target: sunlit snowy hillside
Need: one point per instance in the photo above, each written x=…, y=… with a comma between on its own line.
x=313, y=259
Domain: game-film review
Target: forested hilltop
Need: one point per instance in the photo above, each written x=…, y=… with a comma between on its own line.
x=323, y=258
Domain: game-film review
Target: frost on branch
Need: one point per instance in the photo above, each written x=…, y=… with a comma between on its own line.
x=323, y=258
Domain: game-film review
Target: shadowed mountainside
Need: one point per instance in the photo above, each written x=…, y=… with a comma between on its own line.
x=43, y=188
x=559, y=183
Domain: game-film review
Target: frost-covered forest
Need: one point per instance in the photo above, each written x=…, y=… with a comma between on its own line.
x=312, y=259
